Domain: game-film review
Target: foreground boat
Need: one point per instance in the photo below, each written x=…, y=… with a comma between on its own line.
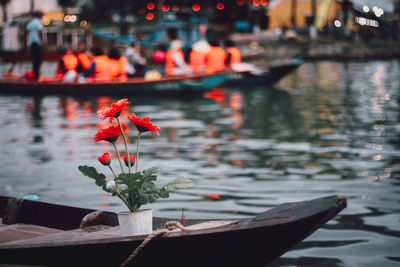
x=44, y=234
x=182, y=85
x=260, y=77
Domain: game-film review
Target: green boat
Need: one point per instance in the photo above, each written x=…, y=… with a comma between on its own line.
x=166, y=85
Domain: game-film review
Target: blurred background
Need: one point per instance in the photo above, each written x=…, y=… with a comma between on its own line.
x=331, y=127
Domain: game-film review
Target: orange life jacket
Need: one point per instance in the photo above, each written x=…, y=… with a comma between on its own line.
x=103, y=69
x=215, y=59
x=84, y=61
x=70, y=62
x=118, y=69
x=169, y=60
x=235, y=55
x=197, y=61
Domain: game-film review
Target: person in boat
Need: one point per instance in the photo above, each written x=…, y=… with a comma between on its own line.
x=67, y=65
x=83, y=59
x=197, y=57
x=119, y=64
x=233, y=55
x=34, y=30
x=215, y=58
x=100, y=68
x=136, y=62
x=175, y=60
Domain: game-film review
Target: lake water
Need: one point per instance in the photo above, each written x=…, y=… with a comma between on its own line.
x=330, y=128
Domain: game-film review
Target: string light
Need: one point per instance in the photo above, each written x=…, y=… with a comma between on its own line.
x=196, y=7
x=149, y=16
x=165, y=8
x=151, y=6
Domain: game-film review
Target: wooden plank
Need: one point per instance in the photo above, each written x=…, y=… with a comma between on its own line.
x=64, y=237
x=15, y=232
x=79, y=235
x=208, y=224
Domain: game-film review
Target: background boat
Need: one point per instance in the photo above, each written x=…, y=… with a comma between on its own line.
x=23, y=56
x=181, y=85
x=262, y=77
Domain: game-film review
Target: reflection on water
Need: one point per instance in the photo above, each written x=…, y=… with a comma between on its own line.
x=328, y=128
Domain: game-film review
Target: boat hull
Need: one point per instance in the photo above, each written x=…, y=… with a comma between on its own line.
x=179, y=85
x=267, y=78
x=248, y=242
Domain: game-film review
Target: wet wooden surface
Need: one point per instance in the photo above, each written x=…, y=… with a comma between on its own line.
x=31, y=235
x=14, y=232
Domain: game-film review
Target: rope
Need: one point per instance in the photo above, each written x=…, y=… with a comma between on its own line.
x=168, y=226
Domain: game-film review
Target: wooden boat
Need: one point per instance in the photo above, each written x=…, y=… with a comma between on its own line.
x=182, y=85
x=260, y=77
x=21, y=56
x=37, y=233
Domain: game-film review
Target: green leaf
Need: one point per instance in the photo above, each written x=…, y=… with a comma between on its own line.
x=150, y=174
x=132, y=180
x=163, y=193
x=179, y=183
x=92, y=173
x=140, y=188
x=148, y=187
x=148, y=197
x=148, y=193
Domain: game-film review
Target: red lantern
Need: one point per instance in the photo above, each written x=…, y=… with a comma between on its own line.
x=159, y=56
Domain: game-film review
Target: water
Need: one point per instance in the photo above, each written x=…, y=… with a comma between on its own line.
x=328, y=128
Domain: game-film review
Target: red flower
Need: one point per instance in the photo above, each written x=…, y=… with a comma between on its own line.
x=105, y=159
x=132, y=158
x=109, y=134
x=114, y=111
x=144, y=125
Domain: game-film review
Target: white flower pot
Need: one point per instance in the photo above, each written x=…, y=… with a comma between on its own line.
x=136, y=223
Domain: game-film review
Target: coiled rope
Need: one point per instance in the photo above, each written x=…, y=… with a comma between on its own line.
x=168, y=226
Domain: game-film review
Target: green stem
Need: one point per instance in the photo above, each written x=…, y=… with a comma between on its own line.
x=126, y=144
x=124, y=200
x=118, y=192
x=137, y=151
x=118, y=156
x=109, y=166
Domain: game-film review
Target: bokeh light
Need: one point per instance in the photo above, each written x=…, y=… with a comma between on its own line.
x=196, y=7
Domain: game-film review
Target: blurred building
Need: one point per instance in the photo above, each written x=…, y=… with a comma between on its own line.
x=376, y=18
x=289, y=13
x=62, y=25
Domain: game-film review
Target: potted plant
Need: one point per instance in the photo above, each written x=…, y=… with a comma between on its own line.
x=134, y=188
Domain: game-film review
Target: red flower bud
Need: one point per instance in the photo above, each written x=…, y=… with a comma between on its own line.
x=105, y=159
x=132, y=158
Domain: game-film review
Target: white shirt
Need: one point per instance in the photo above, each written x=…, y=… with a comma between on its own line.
x=181, y=66
x=34, y=28
x=133, y=58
